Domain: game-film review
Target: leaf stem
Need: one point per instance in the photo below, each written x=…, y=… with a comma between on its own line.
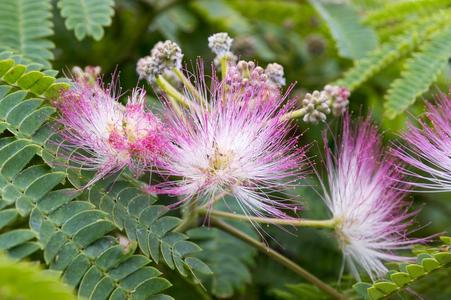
x=224, y=66
x=279, y=258
x=189, y=86
x=190, y=215
x=174, y=96
x=293, y=222
x=293, y=114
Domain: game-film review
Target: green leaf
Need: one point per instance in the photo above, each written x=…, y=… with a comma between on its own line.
x=15, y=237
x=446, y=239
x=415, y=270
x=361, y=288
x=25, y=26
x=400, y=278
x=7, y=216
x=87, y=18
x=353, y=39
x=375, y=294
x=227, y=257
x=129, y=208
x=6, y=65
x=443, y=258
x=14, y=73
x=150, y=287
x=377, y=59
x=30, y=78
x=419, y=73
x=391, y=11
x=24, y=280
x=386, y=287
x=199, y=266
x=430, y=264
x=73, y=235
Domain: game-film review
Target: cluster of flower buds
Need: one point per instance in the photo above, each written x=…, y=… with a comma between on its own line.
x=220, y=43
x=164, y=56
x=248, y=74
x=317, y=105
x=275, y=74
x=167, y=56
x=338, y=98
x=88, y=75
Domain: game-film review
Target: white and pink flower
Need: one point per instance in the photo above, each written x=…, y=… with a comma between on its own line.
x=365, y=195
x=105, y=136
x=236, y=144
x=428, y=149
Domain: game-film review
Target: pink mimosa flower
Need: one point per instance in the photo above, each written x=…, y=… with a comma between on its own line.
x=366, y=198
x=428, y=148
x=236, y=144
x=106, y=135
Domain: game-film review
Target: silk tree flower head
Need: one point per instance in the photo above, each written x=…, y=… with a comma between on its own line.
x=106, y=135
x=220, y=44
x=428, y=148
x=338, y=98
x=237, y=144
x=247, y=77
x=163, y=57
x=317, y=105
x=365, y=196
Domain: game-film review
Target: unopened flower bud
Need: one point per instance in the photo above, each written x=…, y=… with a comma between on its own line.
x=220, y=43
x=144, y=67
x=315, y=107
x=338, y=98
x=275, y=74
x=168, y=54
x=88, y=75
x=164, y=56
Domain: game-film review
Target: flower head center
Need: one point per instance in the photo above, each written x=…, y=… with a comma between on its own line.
x=220, y=160
x=340, y=226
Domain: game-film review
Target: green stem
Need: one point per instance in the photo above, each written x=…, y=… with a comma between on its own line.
x=224, y=66
x=298, y=223
x=279, y=258
x=293, y=114
x=173, y=94
x=190, y=87
x=189, y=217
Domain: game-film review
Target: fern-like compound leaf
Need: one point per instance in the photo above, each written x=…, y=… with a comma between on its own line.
x=25, y=26
x=146, y=223
x=407, y=274
x=87, y=17
x=400, y=10
x=353, y=39
x=394, y=49
x=77, y=239
x=420, y=71
x=228, y=258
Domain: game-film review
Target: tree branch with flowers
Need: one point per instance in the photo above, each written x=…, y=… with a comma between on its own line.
x=187, y=186
x=230, y=136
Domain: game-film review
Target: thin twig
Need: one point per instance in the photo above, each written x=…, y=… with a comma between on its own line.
x=294, y=222
x=279, y=258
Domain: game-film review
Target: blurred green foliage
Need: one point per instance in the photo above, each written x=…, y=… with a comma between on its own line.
x=317, y=42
